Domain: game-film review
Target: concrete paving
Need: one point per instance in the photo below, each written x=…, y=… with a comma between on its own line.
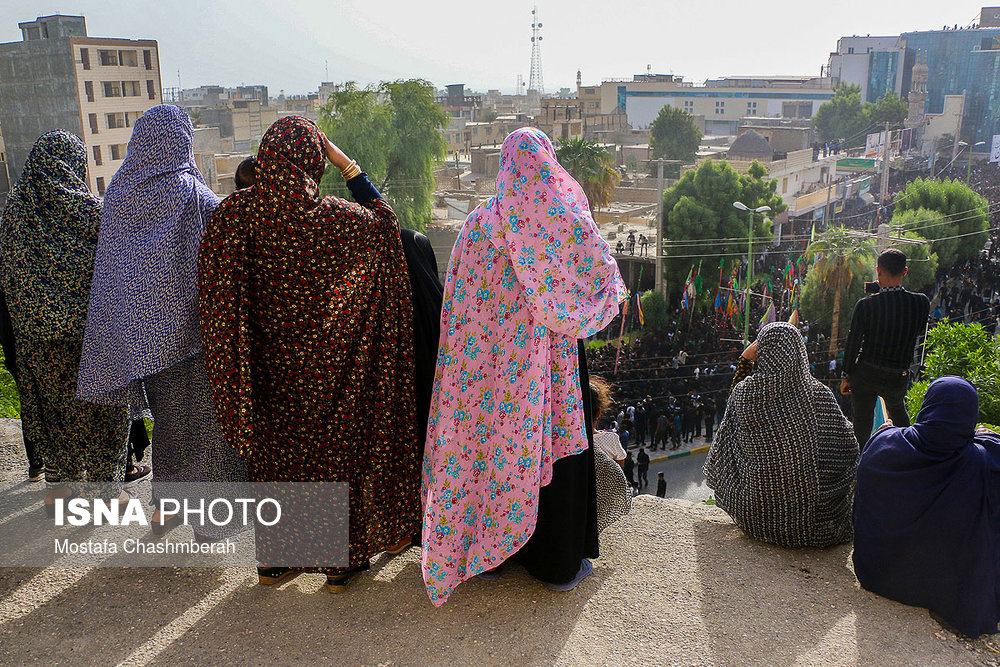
x=677, y=584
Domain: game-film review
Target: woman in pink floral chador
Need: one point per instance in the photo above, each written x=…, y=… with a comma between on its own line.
x=529, y=275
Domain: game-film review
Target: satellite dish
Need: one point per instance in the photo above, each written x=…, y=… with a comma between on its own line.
x=539, y=39
x=539, y=25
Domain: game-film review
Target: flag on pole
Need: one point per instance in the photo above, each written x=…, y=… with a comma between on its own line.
x=638, y=309
x=697, y=278
x=794, y=319
x=812, y=235
x=770, y=316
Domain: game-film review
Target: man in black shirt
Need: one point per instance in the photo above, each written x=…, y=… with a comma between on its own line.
x=643, y=461
x=884, y=331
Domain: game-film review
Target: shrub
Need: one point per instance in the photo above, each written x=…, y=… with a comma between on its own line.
x=968, y=351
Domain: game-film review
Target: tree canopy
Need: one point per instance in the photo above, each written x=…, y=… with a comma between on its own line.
x=948, y=213
x=673, y=135
x=839, y=258
x=392, y=130
x=593, y=167
x=846, y=117
x=700, y=207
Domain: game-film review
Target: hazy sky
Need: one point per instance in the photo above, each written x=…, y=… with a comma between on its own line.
x=286, y=45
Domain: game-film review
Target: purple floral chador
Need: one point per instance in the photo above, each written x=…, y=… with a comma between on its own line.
x=143, y=313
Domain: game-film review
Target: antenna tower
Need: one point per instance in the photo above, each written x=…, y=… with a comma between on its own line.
x=535, y=80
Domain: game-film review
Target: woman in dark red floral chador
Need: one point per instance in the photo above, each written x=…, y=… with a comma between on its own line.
x=307, y=328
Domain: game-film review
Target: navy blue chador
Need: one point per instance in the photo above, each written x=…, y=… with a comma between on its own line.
x=927, y=512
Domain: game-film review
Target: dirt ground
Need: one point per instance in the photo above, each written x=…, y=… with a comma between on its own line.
x=677, y=584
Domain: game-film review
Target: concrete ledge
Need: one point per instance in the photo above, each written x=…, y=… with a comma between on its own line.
x=678, y=584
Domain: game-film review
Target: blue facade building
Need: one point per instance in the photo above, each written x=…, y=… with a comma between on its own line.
x=960, y=60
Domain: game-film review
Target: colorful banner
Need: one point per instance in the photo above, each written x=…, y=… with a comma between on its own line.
x=995, y=150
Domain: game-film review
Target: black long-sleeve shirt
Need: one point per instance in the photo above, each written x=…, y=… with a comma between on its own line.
x=885, y=328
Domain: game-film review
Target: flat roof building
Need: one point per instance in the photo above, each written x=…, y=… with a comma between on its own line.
x=723, y=102
x=58, y=77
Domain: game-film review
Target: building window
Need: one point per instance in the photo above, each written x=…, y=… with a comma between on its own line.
x=689, y=106
x=116, y=120
x=131, y=117
x=131, y=89
x=93, y=123
x=850, y=49
x=147, y=58
x=128, y=58
x=118, y=151
x=85, y=58
x=97, y=156
x=100, y=186
x=751, y=108
x=108, y=58
x=720, y=107
x=112, y=89
x=150, y=89
x=88, y=87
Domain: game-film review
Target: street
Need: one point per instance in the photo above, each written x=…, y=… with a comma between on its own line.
x=684, y=478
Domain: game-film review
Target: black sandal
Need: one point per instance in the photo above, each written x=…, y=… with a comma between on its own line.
x=337, y=583
x=162, y=527
x=271, y=576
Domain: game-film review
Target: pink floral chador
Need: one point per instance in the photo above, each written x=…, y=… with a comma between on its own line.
x=529, y=275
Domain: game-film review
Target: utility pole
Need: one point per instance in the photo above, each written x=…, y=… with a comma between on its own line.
x=885, y=163
x=884, y=189
x=659, y=285
x=826, y=210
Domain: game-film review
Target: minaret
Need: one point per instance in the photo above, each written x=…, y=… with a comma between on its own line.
x=579, y=79
x=917, y=96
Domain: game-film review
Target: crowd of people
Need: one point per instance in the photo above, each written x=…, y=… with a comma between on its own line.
x=280, y=336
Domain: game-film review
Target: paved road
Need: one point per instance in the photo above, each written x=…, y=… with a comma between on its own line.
x=684, y=477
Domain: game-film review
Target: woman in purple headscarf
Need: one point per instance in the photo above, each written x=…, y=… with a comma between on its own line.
x=927, y=511
x=142, y=346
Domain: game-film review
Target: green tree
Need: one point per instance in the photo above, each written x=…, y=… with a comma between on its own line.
x=921, y=261
x=654, y=310
x=948, y=213
x=966, y=350
x=817, y=299
x=839, y=256
x=699, y=207
x=593, y=167
x=674, y=136
x=892, y=109
x=844, y=116
x=392, y=130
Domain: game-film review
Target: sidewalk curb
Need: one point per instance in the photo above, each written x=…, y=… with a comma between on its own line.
x=696, y=450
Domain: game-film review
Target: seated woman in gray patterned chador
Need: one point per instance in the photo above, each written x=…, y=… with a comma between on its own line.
x=142, y=346
x=784, y=460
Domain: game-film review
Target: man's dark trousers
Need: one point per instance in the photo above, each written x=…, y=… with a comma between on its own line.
x=868, y=382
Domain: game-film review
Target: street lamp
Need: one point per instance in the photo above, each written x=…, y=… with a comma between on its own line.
x=968, y=170
x=750, y=211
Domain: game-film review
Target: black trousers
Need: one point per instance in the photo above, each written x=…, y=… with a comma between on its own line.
x=868, y=382
x=10, y=361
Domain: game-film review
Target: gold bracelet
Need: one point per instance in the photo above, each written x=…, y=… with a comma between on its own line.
x=350, y=171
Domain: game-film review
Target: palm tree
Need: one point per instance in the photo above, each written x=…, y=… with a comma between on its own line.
x=838, y=256
x=593, y=167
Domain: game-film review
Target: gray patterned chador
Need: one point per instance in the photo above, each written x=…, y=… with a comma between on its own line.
x=142, y=345
x=783, y=463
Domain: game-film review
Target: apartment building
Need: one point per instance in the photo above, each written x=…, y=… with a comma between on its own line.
x=60, y=77
x=723, y=102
